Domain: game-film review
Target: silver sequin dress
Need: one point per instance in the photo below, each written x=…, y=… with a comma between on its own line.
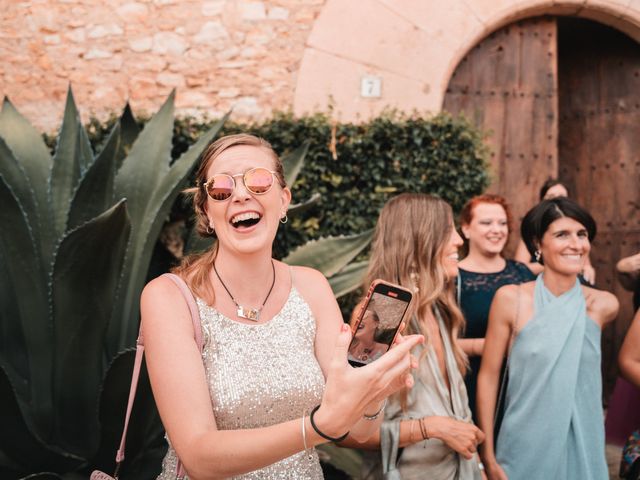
x=260, y=375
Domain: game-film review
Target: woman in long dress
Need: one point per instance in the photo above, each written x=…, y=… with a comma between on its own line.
x=553, y=425
x=485, y=221
x=272, y=380
x=416, y=245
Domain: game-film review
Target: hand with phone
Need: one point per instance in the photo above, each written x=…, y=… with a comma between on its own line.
x=378, y=322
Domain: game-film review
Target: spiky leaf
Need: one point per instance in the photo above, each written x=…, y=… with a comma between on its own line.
x=26, y=279
x=293, y=163
x=72, y=157
x=18, y=442
x=329, y=254
x=349, y=278
x=95, y=190
x=151, y=203
x=129, y=131
x=88, y=266
x=299, y=208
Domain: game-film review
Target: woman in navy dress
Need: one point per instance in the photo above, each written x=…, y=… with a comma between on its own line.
x=485, y=222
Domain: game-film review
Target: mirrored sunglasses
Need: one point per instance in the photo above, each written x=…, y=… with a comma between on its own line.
x=257, y=181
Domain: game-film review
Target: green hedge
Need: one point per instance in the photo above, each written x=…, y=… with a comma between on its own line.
x=373, y=161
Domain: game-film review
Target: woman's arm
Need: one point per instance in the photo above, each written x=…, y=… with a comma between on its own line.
x=473, y=347
x=628, y=270
x=499, y=332
x=181, y=393
x=629, y=357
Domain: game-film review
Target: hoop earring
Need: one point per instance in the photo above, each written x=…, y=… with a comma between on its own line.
x=284, y=219
x=210, y=230
x=537, y=255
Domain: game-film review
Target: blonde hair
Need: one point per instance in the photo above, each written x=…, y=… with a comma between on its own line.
x=194, y=269
x=408, y=246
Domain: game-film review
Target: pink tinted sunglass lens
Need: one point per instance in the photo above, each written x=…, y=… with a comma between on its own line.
x=258, y=180
x=220, y=187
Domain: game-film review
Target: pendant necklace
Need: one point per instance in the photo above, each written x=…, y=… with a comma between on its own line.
x=252, y=314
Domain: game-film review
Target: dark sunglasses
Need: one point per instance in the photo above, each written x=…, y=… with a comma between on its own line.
x=257, y=181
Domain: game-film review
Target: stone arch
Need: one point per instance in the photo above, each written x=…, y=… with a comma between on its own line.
x=414, y=46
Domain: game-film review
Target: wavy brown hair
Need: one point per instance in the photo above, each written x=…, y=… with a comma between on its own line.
x=194, y=269
x=408, y=245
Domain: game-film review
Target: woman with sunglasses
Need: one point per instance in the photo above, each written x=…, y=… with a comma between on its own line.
x=428, y=432
x=553, y=425
x=272, y=380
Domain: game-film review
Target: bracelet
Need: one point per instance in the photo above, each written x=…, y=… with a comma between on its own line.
x=413, y=424
x=323, y=435
x=304, y=434
x=377, y=414
x=423, y=429
x=480, y=466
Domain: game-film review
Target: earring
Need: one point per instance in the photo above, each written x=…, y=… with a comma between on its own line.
x=537, y=255
x=210, y=230
x=284, y=219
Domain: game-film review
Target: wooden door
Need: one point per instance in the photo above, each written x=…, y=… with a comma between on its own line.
x=599, y=150
x=506, y=85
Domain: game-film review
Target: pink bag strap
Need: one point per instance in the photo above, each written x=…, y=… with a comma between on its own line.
x=197, y=333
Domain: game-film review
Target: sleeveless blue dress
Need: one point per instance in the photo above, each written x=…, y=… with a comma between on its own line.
x=553, y=426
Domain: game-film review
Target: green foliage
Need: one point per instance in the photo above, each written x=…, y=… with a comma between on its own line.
x=75, y=247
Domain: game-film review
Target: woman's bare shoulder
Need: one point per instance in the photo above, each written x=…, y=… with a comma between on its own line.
x=603, y=306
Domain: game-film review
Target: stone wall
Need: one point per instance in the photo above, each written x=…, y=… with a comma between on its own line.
x=219, y=54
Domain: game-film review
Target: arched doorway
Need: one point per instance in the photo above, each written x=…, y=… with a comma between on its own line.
x=560, y=97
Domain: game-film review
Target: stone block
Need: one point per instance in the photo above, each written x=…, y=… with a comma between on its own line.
x=253, y=11
x=247, y=107
x=108, y=30
x=142, y=44
x=97, y=53
x=77, y=35
x=168, y=79
x=133, y=11
x=278, y=13
x=212, y=8
x=168, y=42
x=210, y=32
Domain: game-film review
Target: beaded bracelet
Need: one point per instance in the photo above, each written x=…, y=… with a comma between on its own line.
x=423, y=429
x=323, y=435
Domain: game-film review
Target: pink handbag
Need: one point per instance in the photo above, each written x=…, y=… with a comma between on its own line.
x=197, y=333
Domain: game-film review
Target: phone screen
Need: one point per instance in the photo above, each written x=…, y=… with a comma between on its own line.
x=377, y=328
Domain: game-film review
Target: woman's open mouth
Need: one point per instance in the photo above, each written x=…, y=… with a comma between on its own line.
x=245, y=220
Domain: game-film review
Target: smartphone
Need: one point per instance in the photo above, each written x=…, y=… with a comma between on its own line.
x=377, y=322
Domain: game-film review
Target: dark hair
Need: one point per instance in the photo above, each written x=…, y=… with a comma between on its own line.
x=537, y=220
x=551, y=182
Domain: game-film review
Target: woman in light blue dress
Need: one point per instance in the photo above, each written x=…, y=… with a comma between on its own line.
x=553, y=426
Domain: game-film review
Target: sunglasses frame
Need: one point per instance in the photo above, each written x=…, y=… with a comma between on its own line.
x=273, y=173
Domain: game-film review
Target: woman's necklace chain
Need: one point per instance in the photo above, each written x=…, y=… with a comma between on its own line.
x=252, y=314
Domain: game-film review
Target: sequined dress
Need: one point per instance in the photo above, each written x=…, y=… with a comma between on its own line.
x=260, y=375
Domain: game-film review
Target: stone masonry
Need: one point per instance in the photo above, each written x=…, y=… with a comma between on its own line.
x=218, y=54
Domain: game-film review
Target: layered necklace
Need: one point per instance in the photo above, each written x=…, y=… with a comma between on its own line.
x=252, y=314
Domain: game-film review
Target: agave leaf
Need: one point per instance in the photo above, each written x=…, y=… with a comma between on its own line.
x=129, y=131
x=20, y=444
x=95, y=190
x=29, y=148
x=348, y=460
x=299, y=208
x=153, y=205
x=24, y=273
x=73, y=156
x=85, y=275
x=32, y=155
x=349, y=278
x=147, y=162
x=329, y=254
x=293, y=162
x=15, y=175
x=145, y=441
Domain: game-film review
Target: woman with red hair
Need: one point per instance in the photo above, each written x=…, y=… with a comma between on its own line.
x=485, y=222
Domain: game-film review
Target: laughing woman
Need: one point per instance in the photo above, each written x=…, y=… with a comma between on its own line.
x=553, y=425
x=272, y=380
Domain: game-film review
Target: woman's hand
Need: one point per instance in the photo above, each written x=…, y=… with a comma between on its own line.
x=463, y=437
x=494, y=471
x=589, y=274
x=351, y=392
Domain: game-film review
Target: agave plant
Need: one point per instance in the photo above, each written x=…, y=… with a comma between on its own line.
x=75, y=244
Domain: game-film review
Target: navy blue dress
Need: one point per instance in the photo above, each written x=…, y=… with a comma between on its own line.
x=476, y=293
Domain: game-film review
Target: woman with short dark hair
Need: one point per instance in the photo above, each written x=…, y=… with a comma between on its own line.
x=553, y=425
